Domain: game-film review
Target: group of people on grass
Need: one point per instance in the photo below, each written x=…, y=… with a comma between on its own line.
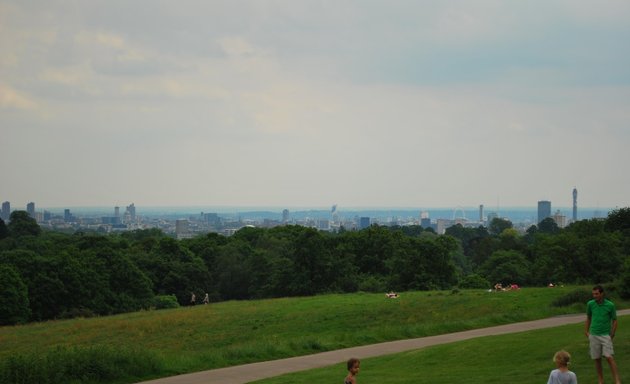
x=600, y=328
x=499, y=287
x=193, y=299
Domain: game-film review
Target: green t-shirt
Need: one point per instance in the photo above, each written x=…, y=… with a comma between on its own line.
x=601, y=316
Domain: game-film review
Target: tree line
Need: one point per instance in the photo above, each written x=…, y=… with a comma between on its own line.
x=50, y=275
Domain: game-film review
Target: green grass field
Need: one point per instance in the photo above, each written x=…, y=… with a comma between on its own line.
x=161, y=343
x=521, y=358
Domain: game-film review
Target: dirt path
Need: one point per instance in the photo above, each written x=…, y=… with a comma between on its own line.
x=250, y=372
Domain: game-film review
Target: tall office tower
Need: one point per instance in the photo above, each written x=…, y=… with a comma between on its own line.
x=116, y=219
x=544, y=210
x=67, y=216
x=285, y=215
x=480, y=213
x=131, y=209
x=6, y=211
x=574, y=204
x=364, y=222
x=30, y=209
x=334, y=214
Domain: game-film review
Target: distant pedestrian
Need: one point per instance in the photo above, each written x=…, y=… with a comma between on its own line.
x=193, y=298
x=562, y=374
x=206, y=299
x=353, y=369
x=600, y=328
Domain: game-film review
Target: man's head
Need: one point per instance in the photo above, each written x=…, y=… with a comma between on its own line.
x=598, y=293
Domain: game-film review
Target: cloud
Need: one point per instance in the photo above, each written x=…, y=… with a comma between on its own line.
x=12, y=99
x=357, y=102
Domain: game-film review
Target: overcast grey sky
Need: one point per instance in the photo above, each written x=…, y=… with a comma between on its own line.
x=314, y=103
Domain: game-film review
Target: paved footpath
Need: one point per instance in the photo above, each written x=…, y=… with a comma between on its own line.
x=250, y=372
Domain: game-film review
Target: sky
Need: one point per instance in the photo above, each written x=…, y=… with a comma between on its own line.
x=359, y=103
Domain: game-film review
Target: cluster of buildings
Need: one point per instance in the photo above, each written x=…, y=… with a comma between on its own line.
x=332, y=220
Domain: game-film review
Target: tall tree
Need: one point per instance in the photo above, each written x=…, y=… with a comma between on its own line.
x=4, y=231
x=498, y=225
x=22, y=224
x=14, y=305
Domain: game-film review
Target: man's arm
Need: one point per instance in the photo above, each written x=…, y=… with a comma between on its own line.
x=587, y=325
x=613, y=329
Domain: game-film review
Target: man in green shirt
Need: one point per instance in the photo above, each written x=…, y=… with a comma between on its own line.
x=600, y=328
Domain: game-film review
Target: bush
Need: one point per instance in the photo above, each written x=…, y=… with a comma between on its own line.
x=165, y=302
x=372, y=284
x=580, y=296
x=474, y=281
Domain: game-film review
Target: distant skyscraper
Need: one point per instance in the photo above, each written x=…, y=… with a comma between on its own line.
x=480, y=213
x=116, y=211
x=574, y=204
x=67, y=216
x=285, y=215
x=6, y=211
x=131, y=210
x=30, y=209
x=364, y=222
x=544, y=210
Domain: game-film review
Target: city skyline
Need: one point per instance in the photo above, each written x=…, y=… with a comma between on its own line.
x=309, y=104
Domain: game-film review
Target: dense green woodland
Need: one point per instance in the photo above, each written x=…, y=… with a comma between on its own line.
x=47, y=275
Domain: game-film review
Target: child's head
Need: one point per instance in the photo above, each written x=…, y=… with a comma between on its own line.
x=562, y=358
x=353, y=365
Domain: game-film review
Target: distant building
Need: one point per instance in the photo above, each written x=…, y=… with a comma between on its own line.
x=131, y=210
x=6, y=211
x=481, y=213
x=442, y=224
x=574, y=204
x=30, y=209
x=544, y=210
x=285, y=216
x=364, y=222
x=182, y=228
x=560, y=219
x=323, y=224
x=425, y=222
x=210, y=218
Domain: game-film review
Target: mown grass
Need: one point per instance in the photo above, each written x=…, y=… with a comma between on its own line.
x=521, y=358
x=184, y=340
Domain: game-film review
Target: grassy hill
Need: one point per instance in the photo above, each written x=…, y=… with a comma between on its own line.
x=521, y=358
x=130, y=347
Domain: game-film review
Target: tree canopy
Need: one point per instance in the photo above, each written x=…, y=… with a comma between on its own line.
x=47, y=275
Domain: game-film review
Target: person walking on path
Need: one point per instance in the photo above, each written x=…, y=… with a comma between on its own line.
x=600, y=328
x=562, y=374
